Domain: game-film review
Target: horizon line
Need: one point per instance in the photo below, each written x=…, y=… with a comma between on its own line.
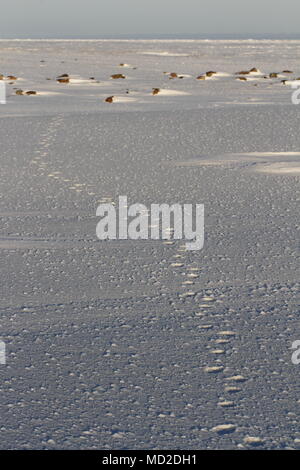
x=133, y=36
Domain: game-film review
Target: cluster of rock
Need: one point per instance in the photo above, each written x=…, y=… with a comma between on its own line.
x=9, y=77
x=155, y=91
x=173, y=75
x=28, y=93
x=241, y=75
x=64, y=78
x=206, y=75
x=117, y=76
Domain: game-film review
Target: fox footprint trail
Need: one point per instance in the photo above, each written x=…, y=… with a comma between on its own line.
x=41, y=155
x=220, y=342
x=45, y=166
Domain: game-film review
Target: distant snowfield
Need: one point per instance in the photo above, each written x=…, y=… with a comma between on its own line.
x=49, y=93
x=281, y=168
x=123, y=99
x=286, y=163
x=164, y=53
x=140, y=344
x=270, y=154
x=165, y=92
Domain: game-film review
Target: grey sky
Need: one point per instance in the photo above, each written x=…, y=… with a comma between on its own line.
x=62, y=18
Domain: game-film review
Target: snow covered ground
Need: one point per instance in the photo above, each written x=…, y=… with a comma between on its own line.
x=142, y=344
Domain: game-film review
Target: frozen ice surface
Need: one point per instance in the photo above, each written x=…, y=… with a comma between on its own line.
x=104, y=348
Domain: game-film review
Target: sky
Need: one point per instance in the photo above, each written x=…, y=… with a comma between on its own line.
x=97, y=18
